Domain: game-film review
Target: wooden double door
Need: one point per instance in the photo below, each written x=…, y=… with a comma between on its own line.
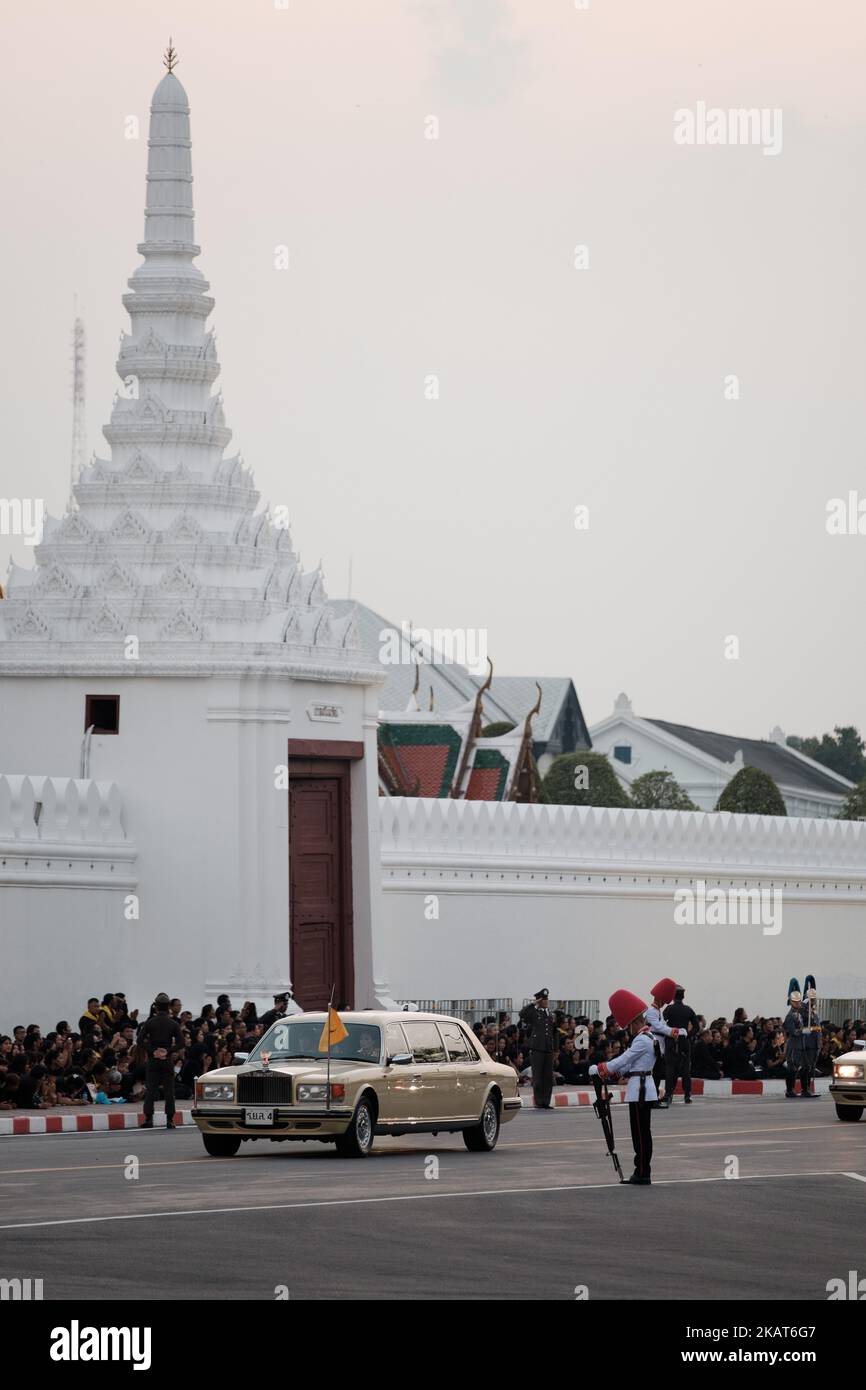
x=320, y=882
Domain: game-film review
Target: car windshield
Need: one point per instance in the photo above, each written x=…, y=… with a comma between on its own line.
x=289, y=1039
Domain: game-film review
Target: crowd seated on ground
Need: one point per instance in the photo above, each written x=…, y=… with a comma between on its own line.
x=741, y=1049
x=99, y=1062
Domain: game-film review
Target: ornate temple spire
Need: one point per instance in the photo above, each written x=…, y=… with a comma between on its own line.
x=166, y=541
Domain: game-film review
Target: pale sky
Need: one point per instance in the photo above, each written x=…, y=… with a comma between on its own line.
x=455, y=257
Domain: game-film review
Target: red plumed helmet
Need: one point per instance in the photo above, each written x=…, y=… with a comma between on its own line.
x=625, y=1006
x=665, y=990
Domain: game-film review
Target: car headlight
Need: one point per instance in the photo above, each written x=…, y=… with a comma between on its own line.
x=851, y=1071
x=318, y=1091
x=217, y=1090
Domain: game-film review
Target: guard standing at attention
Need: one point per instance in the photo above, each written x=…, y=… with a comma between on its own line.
x=637, y=1064
x=542, y=1044
x=795, y=1052
x=678, y=1052
x=663, y=993
x=161, y=1037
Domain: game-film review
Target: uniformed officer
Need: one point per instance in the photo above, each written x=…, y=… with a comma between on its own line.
x=811, y=1034
x=161, y=1037
x=662, y=993
x=281, y=1004
x=678, y=1052
x=542, y=1042
x=637, y=1064
x=795, y=1055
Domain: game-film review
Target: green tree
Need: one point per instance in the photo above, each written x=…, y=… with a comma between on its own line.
x=496, y=730
x=753, y=792
x=659, y=791
x=582, y=779
x=843, y=751
x=855, y=806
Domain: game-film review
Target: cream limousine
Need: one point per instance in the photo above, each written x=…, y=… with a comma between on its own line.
x=394, y=1073
x=848, y=1087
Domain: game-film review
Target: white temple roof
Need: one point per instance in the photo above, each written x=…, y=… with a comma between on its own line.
x=166, y=540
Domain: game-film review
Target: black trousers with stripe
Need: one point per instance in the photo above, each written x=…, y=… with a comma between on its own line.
x=640, y=1119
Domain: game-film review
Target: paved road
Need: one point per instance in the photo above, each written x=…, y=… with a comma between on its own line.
x=537, y=1218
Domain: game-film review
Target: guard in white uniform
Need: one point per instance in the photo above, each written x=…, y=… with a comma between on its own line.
x=637, y=1064
x=663, y=994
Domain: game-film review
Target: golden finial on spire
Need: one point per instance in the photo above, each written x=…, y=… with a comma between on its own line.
x=170, y=59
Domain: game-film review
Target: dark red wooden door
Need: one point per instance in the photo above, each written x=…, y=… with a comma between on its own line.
x=320, y=894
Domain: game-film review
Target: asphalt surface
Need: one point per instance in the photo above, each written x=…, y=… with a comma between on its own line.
x=538, y=1218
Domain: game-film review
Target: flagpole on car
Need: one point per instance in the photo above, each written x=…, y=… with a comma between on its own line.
x=328, y=1026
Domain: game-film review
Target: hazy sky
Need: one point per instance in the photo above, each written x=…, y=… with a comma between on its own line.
x=558, y=387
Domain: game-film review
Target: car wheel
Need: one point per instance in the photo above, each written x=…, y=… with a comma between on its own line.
x=851, y=1113
x=482, y=1138
x=358, y=1139
x=221, y=1145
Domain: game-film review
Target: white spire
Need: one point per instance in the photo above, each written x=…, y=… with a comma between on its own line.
x=166, y=543
x=79, y=426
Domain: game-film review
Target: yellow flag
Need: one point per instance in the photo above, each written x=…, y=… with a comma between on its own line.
x=335, y=1028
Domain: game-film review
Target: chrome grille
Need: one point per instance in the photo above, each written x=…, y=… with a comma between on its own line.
x=264, y=1088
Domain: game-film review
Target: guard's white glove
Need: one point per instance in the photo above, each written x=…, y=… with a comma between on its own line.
x=593, y=1071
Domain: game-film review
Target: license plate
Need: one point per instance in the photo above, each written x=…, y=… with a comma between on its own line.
x=258, y=1115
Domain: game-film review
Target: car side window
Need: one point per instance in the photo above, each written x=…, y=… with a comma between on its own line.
x=455, y=1042
x=424, y=1042
x=395, y=1040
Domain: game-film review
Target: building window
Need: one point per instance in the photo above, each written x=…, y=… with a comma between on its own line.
x=103, y=712
x=622, y=752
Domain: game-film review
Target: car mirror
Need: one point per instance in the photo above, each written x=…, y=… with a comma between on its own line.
x=400, y=1059
x=240, y=1057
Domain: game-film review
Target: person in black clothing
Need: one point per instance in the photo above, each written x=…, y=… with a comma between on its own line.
x=678, y=1051
x=740, y=1057
x=161, y=1037
x=704, y=1063
x=281, y=1004
x=542, y=1044
x=29, y=1097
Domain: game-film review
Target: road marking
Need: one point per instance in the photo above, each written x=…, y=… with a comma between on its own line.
x=407, y=1197
x=657, y=1137
x=394, y=1152
x=859, y=1176
x=109, y=1167
x=743, y=1144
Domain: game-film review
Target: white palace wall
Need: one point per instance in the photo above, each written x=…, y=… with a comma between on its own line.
x=581, y=900
x=479, y=899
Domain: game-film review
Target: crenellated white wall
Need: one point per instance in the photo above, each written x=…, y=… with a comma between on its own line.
x=478, y=898
x=581, y=900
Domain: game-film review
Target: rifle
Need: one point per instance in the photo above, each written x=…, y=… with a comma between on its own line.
x=601, y=1106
